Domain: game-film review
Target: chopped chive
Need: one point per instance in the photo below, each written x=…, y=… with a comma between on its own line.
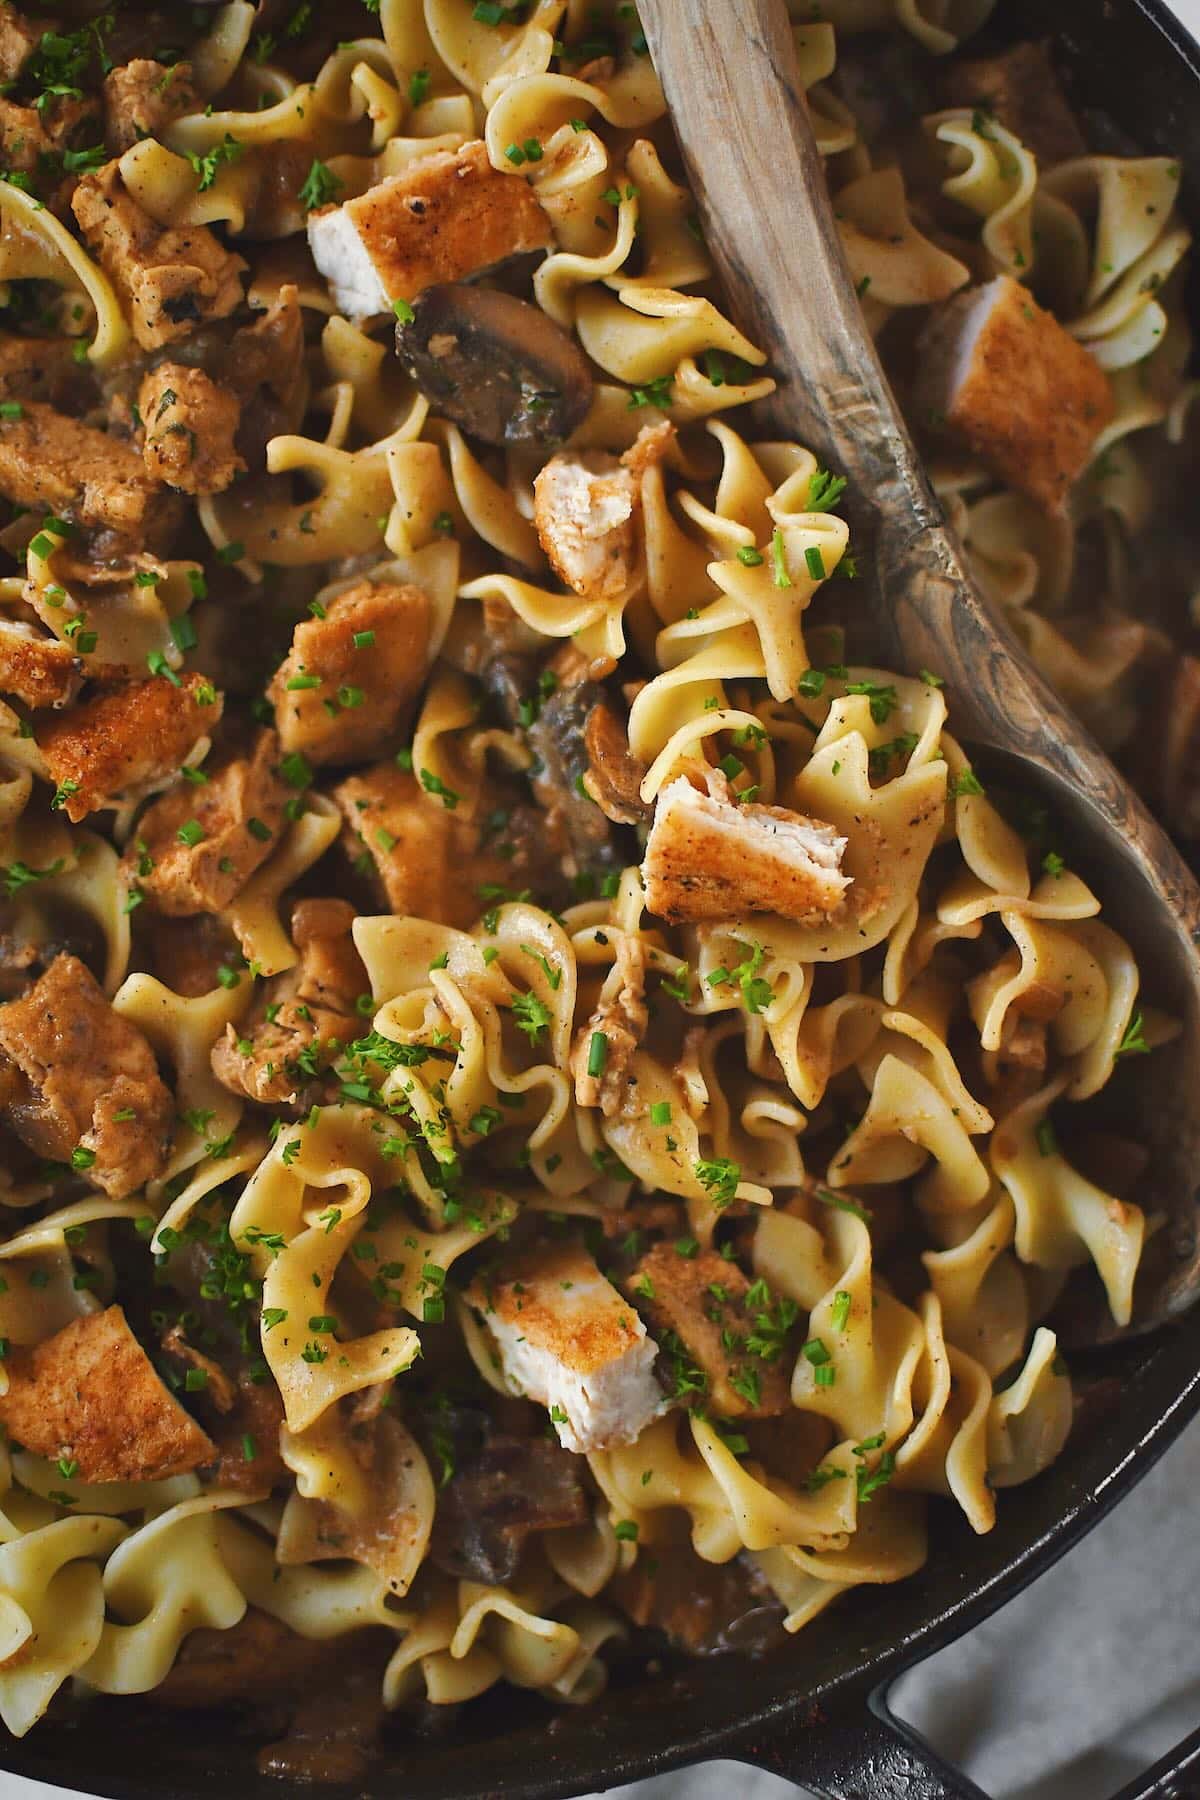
x=783, y=578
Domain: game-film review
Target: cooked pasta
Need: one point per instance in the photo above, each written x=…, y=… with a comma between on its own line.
x=538, y=1103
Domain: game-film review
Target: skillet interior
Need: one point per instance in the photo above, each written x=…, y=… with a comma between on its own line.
x=1129, y=62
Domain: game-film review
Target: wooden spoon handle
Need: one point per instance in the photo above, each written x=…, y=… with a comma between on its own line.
x=731, y=80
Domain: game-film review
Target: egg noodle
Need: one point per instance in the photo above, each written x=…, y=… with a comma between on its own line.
x=828, y=1161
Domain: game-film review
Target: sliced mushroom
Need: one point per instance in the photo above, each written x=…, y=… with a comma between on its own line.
x=614, y=776
x=495, y=365
x=557, y=739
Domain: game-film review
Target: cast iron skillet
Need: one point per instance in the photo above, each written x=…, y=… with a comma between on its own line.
x=817, y=1711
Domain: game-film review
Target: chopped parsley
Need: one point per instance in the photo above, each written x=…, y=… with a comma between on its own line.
x=1133, y=1040
x=966, y=782
x=532, y=1015
x=719, y=1177
x=320, y=186
x=206, y=166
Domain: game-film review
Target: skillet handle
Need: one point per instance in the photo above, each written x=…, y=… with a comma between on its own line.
x=869, y=1755
x=1162, y=1782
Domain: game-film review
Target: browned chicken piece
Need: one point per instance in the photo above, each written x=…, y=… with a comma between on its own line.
x=586, y=509
x=43, y=368
x=20, y=36
x=707, y=857
x=38, y=669
x=615, y=775
x=23, y=137
x=191, y=422
x=716, y=1314
x=79, y=1083
x=202, y=844
x=143, y=97
x=702, y=1607
x=430, y=863
x=308, y=1013
x=567, y=1339
x=54, y=464
x=259, y=1658
x=1002, y=376
x=648, y=449
x=170, y=279
x=449, y=214
x=349, y=678
x=90, y=1395
x=621, y=1019
x=126, y=739
x=1021, y=88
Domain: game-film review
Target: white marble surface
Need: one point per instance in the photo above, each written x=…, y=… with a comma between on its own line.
x=1067, y=1693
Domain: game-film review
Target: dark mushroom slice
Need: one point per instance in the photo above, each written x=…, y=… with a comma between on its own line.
x=703, y=1608
x=494, y=365
x=558, y=739
x=505, y=1491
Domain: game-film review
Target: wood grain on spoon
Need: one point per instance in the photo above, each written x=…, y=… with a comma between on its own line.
x=730, y=77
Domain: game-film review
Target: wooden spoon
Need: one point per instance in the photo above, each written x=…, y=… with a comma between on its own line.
x=730, y=77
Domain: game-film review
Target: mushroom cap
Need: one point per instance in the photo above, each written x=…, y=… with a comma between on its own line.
x=495, y=365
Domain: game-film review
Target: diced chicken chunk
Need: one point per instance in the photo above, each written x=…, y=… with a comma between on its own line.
x=90, y=1394
x=1002, y=375
x=305, y=1016
x=1021, y=88
x=23, y=137
x=706, y=1309
x=125, y=740
x=79, y=1083
x=58, y=465
x=170, y=279
x=621, y=1019
x=568, y=1340
x=19, y=38
x=348, y=679
x=198, y=846
x=143, y=97
x=449, y=214
x=191, y=422
x=43, y=368
x=40, y=670
x=584, y=511
x=430, y=863
x=707, y=857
